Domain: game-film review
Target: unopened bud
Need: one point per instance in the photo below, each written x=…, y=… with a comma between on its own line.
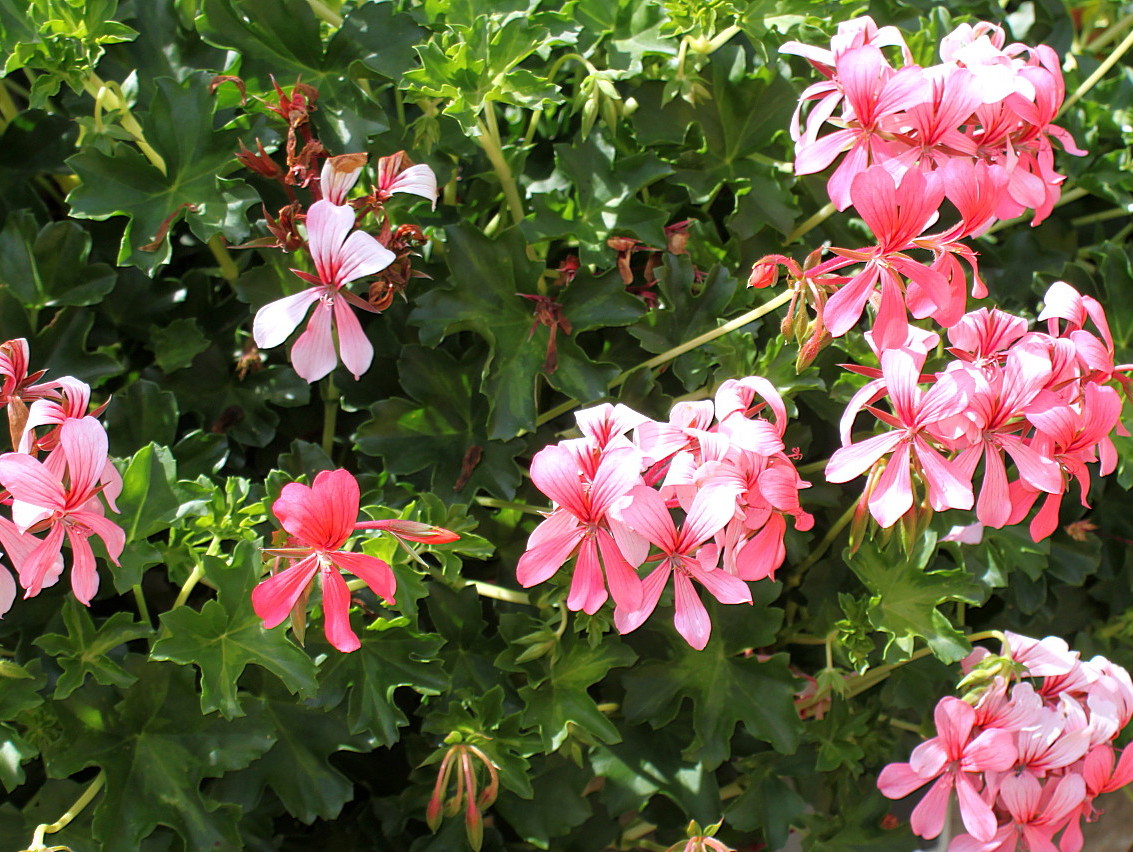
x=474, y=826
x=763, y=275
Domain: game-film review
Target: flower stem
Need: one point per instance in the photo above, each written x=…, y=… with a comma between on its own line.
x=325, y=13
x=489, y=140
x=493, y=503
x=109, y=95
x=197, y=574
x=219, y=248
x=664, y=357
x=72, y=812
x=330, y=413
x=140, y=600
x=824, y=545
x=1099, y=72
x=499, y=593
x=823, y=213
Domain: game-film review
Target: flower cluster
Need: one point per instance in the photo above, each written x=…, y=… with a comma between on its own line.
x=57, y=481
x=1038, y=399
x=985, y=103
x=974, y=130
x=340, y=253
x=318, y=520
x=718, y=463
x=1026, y=753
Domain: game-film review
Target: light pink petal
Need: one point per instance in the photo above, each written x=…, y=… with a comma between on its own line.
x=624, y=584
x=42, y=562
x=976, y=814
x=617, y=474
x=927, y=820
x=854, y=460
x=29, y=482
x=762, y=554
x=892, y=497
x=274, y=597
x=689, y=616
x=559, y=535
x=647, y=513
x=327, y=227
x=336, y=612
x=587, y=585
x=276, y=320
x=993, y=750
x=313, y=354
x=946, y=489
x=626, y=621
x=7, y=591
x=555, y=471
x=844, y=308
x=710, y=510
x=361, y=255
x=375, y=572
x=416, y=180
x=84, y=577
x=85, y=446
x=112, y=535
x=929, y=758
x=356, y=350
x=993, y=507
x=721, y=585
x=897, y=780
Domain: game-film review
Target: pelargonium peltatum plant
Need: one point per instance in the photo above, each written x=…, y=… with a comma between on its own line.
x=414, y=469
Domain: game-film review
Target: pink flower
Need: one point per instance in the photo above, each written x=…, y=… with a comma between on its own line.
x=339, y=174
x=955, y=759
x=340, y=256
x=396, y=173
x=683, y=557
x=580, y=527
x=41, y=501
x=320, y=519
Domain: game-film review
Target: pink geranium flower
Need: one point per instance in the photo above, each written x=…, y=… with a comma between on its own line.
x=340, y=255
x=684, y=558
x=320, y=519
x=40, y=501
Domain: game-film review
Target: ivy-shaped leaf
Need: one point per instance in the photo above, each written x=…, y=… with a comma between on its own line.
x=122, y=182
x=85, y=650
x=226, y=636
x=727, y=687
x=391, y=655
x=156, y=748
x=904, y=597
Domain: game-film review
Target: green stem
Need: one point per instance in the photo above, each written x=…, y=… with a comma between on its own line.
x=493, y=503
x=823, y=213
x=108, y=95
x=1067, y=196
x=824, y=545
x=8, y=108
x=140, y=600
x=1110, y=33
x=219, y=248
x=499, y=593
x=1099, y=72
x=325, y=13
x=72, y=812
x=489, y=140
x=664, y=357
x=330, y=413
x=1103, y=216
x=197, y=574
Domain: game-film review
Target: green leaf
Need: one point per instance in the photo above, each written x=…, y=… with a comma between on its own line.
x=85, y=650
x=61, y=347
x=904, y=597
x=179, y=126
x=559, y=701
x=727, y=687
x=391, y=655
x=177, y=344
x=603, y=202
x=226, y=636
x=147, y=503
x=488, y=277
x=156, y=749
x=649, y=762
x=297, y=767
x=563, y=785
x=442, y=431
x=48, y=266
x=141, y=414
x=768, y=802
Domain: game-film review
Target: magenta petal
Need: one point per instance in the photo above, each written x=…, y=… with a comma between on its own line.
x=336, y=611
x=558, y=536
x=624, y=584
x=274, y=597
x=323, y=514
x=375, y=572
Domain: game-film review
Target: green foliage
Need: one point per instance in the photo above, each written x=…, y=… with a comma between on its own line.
x=553, y=130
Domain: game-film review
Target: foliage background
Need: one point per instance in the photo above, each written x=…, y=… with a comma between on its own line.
x=552, y=128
